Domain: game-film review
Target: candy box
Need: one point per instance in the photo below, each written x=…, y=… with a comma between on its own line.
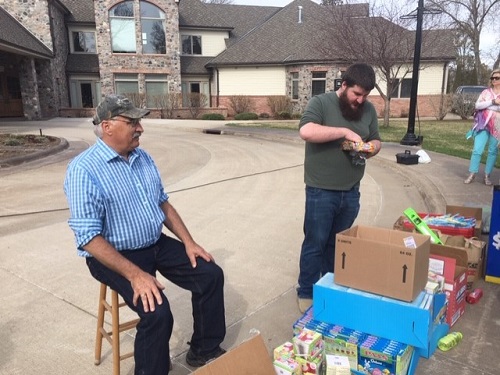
x=283, y=351
x=386, y=356
x=308, y=344
x=337, y=365
x=343, y=342
x=287, y=366
x=313, y=366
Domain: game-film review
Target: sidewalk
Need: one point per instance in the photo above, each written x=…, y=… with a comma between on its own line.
x=227, y=185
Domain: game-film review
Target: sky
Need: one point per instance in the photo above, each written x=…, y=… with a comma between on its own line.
x=488, y=37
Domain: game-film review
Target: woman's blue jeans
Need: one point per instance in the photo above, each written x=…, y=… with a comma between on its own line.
x=480, y=140
x=327, y=213
x=206, y=283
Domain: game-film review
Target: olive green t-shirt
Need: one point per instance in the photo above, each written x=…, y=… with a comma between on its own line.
x=326, y=165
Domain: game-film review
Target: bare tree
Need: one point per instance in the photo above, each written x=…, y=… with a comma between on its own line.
x=469, y=17
x=383, y=42
x=218, y=1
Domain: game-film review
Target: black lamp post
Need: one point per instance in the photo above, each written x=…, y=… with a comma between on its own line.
x=410, y=138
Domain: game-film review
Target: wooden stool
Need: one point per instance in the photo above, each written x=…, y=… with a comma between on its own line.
x=112, y=336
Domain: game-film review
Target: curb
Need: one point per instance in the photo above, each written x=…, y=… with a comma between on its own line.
x=16, y=160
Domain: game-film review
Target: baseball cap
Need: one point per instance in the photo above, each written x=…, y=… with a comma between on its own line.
x=114, y=105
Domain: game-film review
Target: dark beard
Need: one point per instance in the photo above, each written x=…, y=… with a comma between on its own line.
x=347, y=111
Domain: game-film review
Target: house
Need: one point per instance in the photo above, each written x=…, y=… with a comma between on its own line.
x=59, y=57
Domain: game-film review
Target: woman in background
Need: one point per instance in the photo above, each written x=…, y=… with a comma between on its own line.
x=487, y=129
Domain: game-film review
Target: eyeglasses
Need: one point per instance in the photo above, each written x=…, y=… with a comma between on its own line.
x=132, y=122
x=496, y=78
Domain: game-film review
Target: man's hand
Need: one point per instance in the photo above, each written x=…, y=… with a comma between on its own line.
x=147, y=288
x=194, y=251
x=349, y=135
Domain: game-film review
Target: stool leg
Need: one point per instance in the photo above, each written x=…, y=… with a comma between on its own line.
x=100, y=324
x=116, y=332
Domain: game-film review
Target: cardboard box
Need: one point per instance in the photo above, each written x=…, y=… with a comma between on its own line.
x=417, y=323
x=451, y=262
x=402, y=223
x=475, y=249
x=376, y=260
x=493, y=258
x=250, y=357
x=475, y=212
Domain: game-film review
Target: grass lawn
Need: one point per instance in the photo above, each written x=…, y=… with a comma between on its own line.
x=446, y=137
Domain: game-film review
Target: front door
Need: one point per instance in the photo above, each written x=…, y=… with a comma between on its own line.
x=11, y=104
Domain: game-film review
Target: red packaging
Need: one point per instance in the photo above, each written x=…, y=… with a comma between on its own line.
x=474, y=296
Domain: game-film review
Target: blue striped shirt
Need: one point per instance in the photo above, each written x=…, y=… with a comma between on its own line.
x=114, y=198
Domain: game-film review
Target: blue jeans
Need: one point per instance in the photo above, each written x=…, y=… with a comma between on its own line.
x=206, y=283
x=327, y=213
x=480, y=140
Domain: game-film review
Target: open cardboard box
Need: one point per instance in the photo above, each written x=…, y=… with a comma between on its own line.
x=451, y=262
x=402, y=223
x=475, y=249
x=249, y=358
x=381, y=261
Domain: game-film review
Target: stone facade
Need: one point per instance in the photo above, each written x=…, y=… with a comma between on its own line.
x=112, y=63
x=43, y=81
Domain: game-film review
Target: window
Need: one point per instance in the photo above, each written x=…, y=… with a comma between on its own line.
x=156, y=89
x=83, y=42
x=295, y=85
x=318, y=83
x=123, y=27
x=402, y=88
x=153, y=29
x=84, y=91
x=191, y=44
x=127, y=84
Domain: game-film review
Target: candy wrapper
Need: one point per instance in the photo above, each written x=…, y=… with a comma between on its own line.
x=358, y=146
x=358, y=151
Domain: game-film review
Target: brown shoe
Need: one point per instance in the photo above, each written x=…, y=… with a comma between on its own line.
x=470, y=178
x=487, y=180
x=304, y=304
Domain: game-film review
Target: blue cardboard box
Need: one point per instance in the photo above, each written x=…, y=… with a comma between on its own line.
x=493, y=255
x=414, y=323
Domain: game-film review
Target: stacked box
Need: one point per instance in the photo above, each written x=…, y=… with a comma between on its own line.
x=388, y=356
x=337, y=365
x=451, y=262
x=308, y=344
x=287, y=366
x=283, y=351
x=301, y=323
x=311, y=366
x=342, y=341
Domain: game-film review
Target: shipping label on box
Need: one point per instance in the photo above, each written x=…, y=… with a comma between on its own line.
x=379, y=260
x=337, y=365
x=343, y=342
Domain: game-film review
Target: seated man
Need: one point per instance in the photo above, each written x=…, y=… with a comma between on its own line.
x=117, y=211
